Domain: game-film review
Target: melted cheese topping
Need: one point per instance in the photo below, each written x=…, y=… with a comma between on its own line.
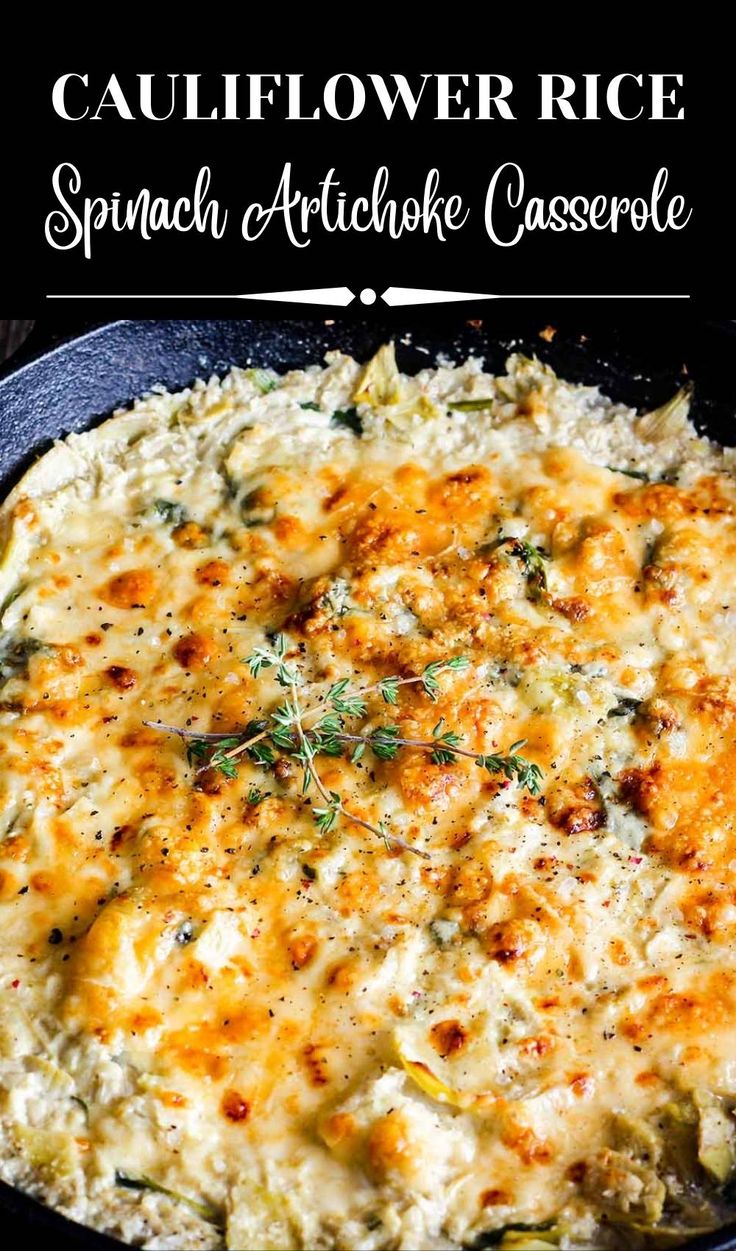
x=220, y=1027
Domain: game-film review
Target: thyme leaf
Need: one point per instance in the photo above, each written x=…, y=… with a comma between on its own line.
x=514, y=767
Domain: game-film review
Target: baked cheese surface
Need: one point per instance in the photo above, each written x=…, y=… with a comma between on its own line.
x=434, y=997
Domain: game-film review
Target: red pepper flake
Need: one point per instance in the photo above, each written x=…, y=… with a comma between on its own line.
x=635, y=859
x=15, y=983
x=255, y=933
x=234, y=1106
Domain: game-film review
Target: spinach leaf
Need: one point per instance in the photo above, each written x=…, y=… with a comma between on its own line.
x=349, y=418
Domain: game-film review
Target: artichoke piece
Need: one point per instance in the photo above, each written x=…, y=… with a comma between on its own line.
x=716, y=1137
x=399, y=400
x=55, y=1078
x=524, y=1240
x=636, y=1138
x=519, y=1238
x=426, y=1080
x=380, y=381
x=669, y=420
x=414, y=404
x=418, y=404
x=623, y=1186
x=53, y=1154
x=688, y=1200
x=15, y=544
x=258, y=1217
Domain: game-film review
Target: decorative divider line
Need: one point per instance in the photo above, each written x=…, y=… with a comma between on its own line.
x=394, y=297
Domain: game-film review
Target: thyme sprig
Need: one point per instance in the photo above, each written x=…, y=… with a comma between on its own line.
x=304, y=734
x=385, y=742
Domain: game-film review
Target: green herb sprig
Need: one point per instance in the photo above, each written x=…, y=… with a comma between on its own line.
x=306, y=734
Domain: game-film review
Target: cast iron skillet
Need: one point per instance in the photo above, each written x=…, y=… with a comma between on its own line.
x=640, y=360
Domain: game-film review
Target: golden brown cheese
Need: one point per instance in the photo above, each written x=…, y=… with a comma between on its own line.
x=313, y=1038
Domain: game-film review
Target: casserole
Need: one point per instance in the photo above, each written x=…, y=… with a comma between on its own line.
x=512, y=538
